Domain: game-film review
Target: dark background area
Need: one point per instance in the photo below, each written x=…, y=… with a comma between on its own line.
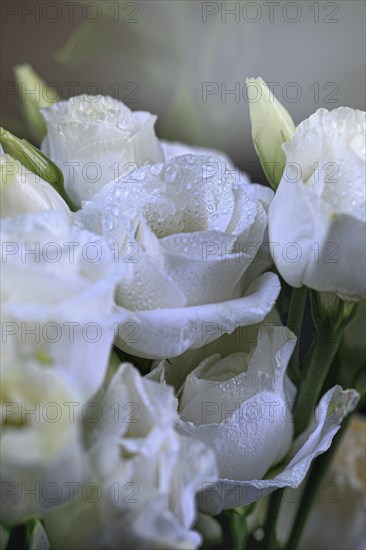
x=187, y=60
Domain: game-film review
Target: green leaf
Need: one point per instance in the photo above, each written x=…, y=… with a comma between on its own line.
x=4, y=537
x=83, y=44
x=36, y=536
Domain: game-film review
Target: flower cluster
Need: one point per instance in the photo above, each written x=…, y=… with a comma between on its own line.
x=148, y=378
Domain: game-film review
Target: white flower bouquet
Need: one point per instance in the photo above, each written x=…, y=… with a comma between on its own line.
x=159, y=388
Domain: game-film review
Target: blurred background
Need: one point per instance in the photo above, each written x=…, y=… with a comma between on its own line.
x=187, y=60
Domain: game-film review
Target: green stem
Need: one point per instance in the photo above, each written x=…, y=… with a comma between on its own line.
x=319, y=469
x=239, y=530
x=270, y=541
x=330, y=315
x=320, y=361
x=294, y=323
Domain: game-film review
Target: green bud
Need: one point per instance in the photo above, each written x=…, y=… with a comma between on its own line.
x=35, y=95
x=271, y=127
x=36, y=161
x=209, y=528
x=328, y=310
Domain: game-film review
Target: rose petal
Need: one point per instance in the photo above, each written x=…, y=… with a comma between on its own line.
x=164, y=333
x=314, y=441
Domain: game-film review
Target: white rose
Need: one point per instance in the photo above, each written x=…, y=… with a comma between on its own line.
x=341, y=524
x=238, y=400
x=40, y=439
x=148, y=473
x=317, y=218
x=173, y=149
x=188, y=238
x=337, y=516
x=94, y=139
x=57, y=296
x=23, y=192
